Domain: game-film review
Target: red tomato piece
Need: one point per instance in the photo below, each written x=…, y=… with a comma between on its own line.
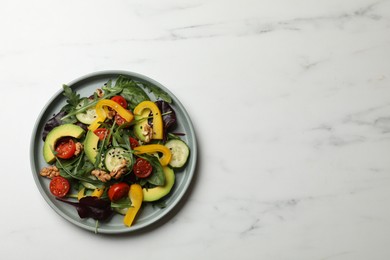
x=65, y=148
x=120, y=100
x=133, y=142
x=118, y=191
x=102, y=133
x=59, y=186
x=142, y=168
x=119, y=120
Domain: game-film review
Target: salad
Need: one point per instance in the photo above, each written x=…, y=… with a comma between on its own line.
x=113, y=151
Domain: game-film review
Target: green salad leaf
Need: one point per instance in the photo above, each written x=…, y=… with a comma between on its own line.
x=72, y=98
x=78, y=168
x=157, y=176
x=71, y=107
x=157, y=92
x=133, y=93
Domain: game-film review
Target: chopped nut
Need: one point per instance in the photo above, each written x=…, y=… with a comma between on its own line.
x=110, y=113
x=99, y=92
x=101, y=175
x=79, y=148
x=50, y=172
x=119, y=170
x=147, y=131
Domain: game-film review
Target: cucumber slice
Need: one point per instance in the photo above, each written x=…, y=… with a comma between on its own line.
x=180, y=152
x=88, y=116
x=114, y=157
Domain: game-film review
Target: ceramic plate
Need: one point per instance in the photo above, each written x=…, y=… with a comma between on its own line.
x=149, y=215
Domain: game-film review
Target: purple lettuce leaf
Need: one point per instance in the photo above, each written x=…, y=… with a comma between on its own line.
x=91, y=207
x=169, y=116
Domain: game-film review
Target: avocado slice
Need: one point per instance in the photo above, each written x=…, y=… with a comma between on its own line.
x=55, y=134
x=90, y=146
x=141, y=120
x=158, y=192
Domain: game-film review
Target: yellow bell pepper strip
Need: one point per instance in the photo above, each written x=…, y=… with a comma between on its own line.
x=157, y=118
x=102, y=114
x=153, y=148
x=136, y=196
x=98, y=192
x=81, y=194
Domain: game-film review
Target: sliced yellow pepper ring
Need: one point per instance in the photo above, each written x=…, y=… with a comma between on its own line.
x=157, y=118
x=98, y=192
x=102, y=114
x=136, y=196
x=153, y=148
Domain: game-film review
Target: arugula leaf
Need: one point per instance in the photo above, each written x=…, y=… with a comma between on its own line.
x=73, y=111
x=78, y=169
x=73, y=98
x=157, y=92
x=108, y=88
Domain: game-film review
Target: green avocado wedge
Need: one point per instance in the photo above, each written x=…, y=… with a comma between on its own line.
x=142, y=121
x=158, y=192
x=90, y=146
x=55, y=134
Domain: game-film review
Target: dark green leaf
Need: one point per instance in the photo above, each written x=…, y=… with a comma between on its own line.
x=157, y=176
x=78, y=168
x=133, y=93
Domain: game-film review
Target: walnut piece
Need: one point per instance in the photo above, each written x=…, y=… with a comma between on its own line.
x=147, y=131
x=79, y=148
x=99, y=92
x=101, y=175
x=50, y=172
x=119, y=170
x=110, y=113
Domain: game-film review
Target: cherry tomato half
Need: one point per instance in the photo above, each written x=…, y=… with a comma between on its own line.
x=65, y=148
x=142, y=168
x=119, y=120
x=120, y=100
x=118, y=191
x=59, y=186
x=101, y=133
x=133, y=142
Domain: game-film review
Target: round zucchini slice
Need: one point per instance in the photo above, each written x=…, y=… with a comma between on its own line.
x=88, y=116
x=114, y=157
x=180, y=152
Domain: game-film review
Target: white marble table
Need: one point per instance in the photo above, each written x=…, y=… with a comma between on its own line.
x=291, y=106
